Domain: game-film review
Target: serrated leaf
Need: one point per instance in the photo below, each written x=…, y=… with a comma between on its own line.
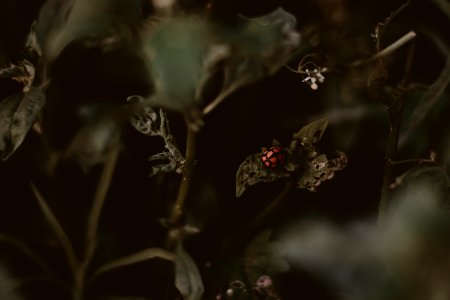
x=187, y=276
x=17, y=114
x=135, y=258
x=308, y=137
x=251, y=172
x=319, y=170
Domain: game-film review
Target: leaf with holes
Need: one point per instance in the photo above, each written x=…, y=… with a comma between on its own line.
x=321, y=169
x=17, y=114
x=144, y=118
x=251, y=172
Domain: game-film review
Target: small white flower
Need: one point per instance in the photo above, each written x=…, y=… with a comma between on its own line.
x=315, y=76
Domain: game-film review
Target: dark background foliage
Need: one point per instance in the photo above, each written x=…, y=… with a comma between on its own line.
x=274, y=107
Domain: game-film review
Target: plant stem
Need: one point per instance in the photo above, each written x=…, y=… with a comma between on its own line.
x=93, y=221
x=178, y=207
x=394, y=123
x=395, y=113
x=57, y=228
x=386, y=51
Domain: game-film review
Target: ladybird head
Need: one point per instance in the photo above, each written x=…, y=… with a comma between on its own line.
x=273, y=157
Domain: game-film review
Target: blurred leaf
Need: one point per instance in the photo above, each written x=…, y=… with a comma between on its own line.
x=32, y=42
x=186, y=53
x=17, y=115
x=135, y=258
x=308, y=137
x=61, y=22
x=187, y=276
x=261, y=257
x=258, y=49
x=251, y=172
x=91, y=144
x=321, y=169
x=174, y=56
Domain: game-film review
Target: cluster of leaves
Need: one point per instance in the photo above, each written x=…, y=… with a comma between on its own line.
x=182, y=55
x=304, y=163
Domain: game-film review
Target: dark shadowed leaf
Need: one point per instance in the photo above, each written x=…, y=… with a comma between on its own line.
x=187, y=276
x=251, y=172
x=321, y=169
x=17, y=114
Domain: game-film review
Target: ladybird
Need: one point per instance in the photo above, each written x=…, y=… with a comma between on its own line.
x=273, y=157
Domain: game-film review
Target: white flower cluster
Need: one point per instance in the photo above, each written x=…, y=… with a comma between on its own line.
x=315, y=76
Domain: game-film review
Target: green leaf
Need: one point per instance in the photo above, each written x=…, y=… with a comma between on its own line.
x=187, y=276
x=308, y=137
x=135, y=258
x=251, y=172
x=186, y=53
x=17, y=115
x=106, y=21
x=175, y=59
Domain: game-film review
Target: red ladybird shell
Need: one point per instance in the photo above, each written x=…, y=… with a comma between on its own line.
x=273, y=157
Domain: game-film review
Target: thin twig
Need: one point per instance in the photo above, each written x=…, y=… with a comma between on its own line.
x=388, y=177
x=395, y=113
x=394, y=46
x=386, y=51
x=381, y=27
x=58, y=229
